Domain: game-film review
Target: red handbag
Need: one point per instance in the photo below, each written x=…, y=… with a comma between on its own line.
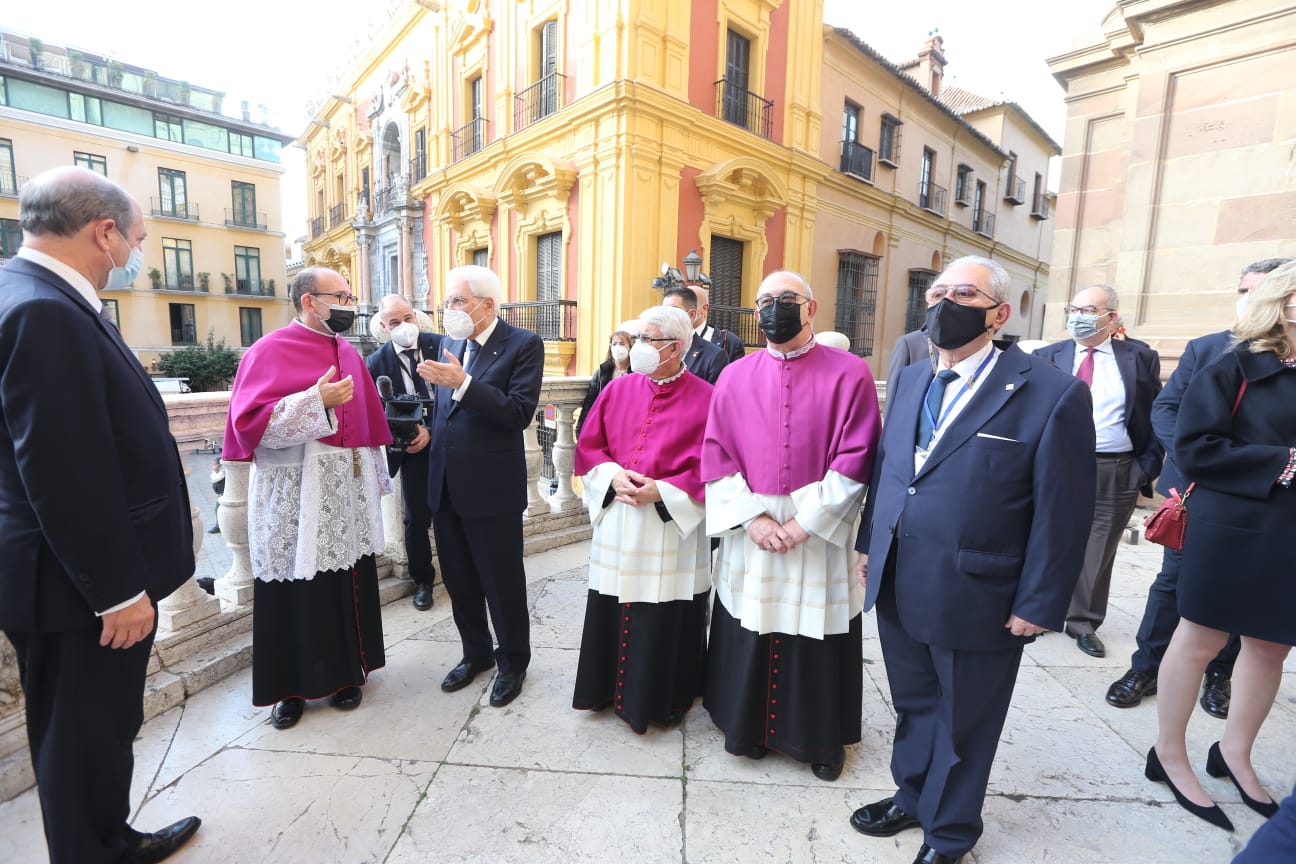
x=1168, y=522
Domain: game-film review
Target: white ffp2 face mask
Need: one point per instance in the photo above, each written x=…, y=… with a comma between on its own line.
x=405, y=334
x=458, y=324
x=620, y=353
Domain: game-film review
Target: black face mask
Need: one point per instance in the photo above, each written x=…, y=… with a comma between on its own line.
x=781, y=322
x=952, y=326
x=340, y=318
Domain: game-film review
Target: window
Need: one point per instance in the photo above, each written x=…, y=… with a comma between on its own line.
x=364, y=189
x=850, y=123
x=1039, y=198
x=172, y=200
x=177, y=257
x=982, y=219
x=249, y=325
x=481, y=257
x=240, y=144
x=857, y=278
x=87, y=109
x=10, y=237
x=4, y=91
x=548, y=96
x=963, y=186
x=726, y=288
x=184, y=327
x=8, y=180
x=420, y=156
x=98, y=164
x=916, y=310
x=247, y=270
x=168, y=128
x=1015, y=189
x=889, y=141
x=925, y=197
x=243, y=198
x=736, y=79
x=112, y=312
x=549, y=285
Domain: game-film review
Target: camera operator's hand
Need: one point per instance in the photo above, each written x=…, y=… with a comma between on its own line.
x=449, y=374
x=421, y=440
x=335, y=393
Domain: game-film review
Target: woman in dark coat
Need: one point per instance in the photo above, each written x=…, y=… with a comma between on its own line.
x=616, y=365
x=1237, y=574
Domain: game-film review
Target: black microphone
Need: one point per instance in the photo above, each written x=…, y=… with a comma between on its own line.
x=384, y=387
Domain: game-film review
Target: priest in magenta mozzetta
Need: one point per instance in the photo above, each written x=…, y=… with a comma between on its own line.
x=640, y=455
x=790, y=442
x=306, y=413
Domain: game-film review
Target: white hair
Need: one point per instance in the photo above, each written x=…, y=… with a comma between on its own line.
x=672, y=321
x=481, y=281
x=1000, y=281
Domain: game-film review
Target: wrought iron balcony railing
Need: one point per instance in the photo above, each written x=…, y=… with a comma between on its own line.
x=983, y=222
x=931, y=197
x=337, y=215
x=469, y=138
x=551, y=320
x=740, y=320
x=856, y=159
x=418, y=167
x=744, y=108
x=1040, y=208
x=237, y=218
x=317, y=227
x=188, y=211
x=538, y=101
x=1016, y=191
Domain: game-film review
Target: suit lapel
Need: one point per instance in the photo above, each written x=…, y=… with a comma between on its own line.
x=489, y=353
x=903, y=414
x=1002, y=383
x=1125, y=362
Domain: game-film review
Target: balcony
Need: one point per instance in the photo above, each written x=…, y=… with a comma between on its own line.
x=317, y=227
x=1040, y=207
x=418, y=167
x=10, y=185
x=252, y=287
x=337, y=215
x=469, y=138
x=538, y=101
x=1016, y=192
x=932, y=198
x=856, y=160
x=739, y=320
x=237, y=218
x=182, y=210
x=179, y=282
x=983, y=222
x=551, y=320
x=744, y=108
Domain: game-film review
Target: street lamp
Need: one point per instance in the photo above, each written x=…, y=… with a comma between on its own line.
x=671, y=276
x=692, y=265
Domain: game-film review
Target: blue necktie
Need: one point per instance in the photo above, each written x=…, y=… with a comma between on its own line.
x=935, y=395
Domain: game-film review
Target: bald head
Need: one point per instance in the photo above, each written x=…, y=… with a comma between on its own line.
x=394, y=310
x=62, y=201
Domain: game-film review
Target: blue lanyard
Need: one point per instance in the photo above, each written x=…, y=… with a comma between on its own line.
x=936, y=424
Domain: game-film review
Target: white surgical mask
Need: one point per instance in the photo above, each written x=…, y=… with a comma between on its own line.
x=458, y=324
x=124, y=276
x=620, y=353
x=405, y=334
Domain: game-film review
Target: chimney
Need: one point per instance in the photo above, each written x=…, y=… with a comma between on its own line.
x=931, y=63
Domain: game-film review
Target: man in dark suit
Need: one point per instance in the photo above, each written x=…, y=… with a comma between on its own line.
x=1124, y=376
x=704, y=359
x=88, y=546
x=726, y=340
x=968, y=550
x=1161, y=614
x=398, y=359
x=487, y=389
x=909, y=348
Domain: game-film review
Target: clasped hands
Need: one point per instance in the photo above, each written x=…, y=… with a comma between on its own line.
x=634, y=488
x=770, y=536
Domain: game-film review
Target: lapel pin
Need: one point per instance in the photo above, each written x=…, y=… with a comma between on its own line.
x=1008, y=386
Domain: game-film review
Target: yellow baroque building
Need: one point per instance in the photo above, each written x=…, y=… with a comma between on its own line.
x=575, y=147
x=208, y=185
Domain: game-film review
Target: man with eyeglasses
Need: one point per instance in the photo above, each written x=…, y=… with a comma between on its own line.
x=487, y=388
x=789, y=444
x=968, y=550
x=1161, y=614
x=305, y=412
x=1124, y=376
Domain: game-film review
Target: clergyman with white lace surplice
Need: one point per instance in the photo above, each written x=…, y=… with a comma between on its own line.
x=307, y=415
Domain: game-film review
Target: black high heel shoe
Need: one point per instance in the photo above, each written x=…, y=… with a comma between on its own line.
x=1212, y=814
x=1217, y=767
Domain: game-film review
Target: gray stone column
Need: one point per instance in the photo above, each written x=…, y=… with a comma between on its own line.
x=564, y=459
x=235, y=587
x=188, y=604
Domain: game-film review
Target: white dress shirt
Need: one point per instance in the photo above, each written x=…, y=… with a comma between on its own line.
x=480, y=339
x=1108, y=391
x=958, y=393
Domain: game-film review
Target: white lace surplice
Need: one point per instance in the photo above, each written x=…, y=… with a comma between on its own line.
x=308, y=512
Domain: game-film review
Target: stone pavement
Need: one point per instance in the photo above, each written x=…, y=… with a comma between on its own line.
x=416, y=775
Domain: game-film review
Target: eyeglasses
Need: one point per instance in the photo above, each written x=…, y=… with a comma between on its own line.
x=962, y=294
x=342, y=297
x=642, y=338
x=458, y=302
x=1085, y=310
x=766, y=300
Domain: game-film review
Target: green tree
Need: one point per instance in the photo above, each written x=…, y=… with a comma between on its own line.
x=208, y=367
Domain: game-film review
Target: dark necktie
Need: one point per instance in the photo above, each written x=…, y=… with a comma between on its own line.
x=470, y=354
x=412, y=365
x=935, y=395
x=1085, y=372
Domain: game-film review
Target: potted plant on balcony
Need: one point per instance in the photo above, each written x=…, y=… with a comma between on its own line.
x=229, y=283
x=185, y=90
x=77, y=64
x=115, y=72
x=155, y=276
x=150, y=84
x=204, y=281
x=35, y=47
x=270, y=288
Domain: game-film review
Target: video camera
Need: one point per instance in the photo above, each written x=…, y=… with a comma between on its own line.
x=404, y=413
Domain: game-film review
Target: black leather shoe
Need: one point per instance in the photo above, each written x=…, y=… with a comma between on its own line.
x=928, y=855
x=1089, y=643
x=347, y=699
x=215, y=529
x=829, y=771
x=507, y=687
x=149, y=848
x=757, y=751
x=422, y=596
x=1217, y=767
x=462, y=675
x=285, y=714
x=882, y=819
x=1131, y=688
x=1217, y=690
